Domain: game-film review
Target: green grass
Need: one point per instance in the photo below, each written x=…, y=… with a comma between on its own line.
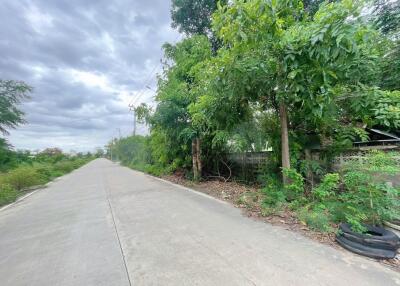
x=15, y=181
x=7, y=195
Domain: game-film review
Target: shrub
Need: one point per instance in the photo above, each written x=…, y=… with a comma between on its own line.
x=7, y=195
x=328, y=187
x=295, y=188
x=367, y=197
x=317, y=218
x=46, y=171
x=274, y=197
x=22, y=177
x=65, y=167
x=154, y=170
x=358, y=195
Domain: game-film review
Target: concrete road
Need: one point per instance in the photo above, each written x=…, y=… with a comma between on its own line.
x=108, y=225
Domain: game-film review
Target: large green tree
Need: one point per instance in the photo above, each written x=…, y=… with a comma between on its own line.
x=171, y=122
x=294, y=66
x=11, y=95
x=387, y=14
x=194, y=16
x=386, y=18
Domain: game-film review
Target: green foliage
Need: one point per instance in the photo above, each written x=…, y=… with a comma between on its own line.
x=328, y=187
x=387, y=16
x=318, y=219
x=272, y=53
x=11, y=94
x=193, y=16
x=321, y=60
x=133, y=150
x=143, y=153
x=31, y=172
x=8, y=158
x=274, y=197
x=357, y=195
x=249, y=199
x=143, y=113
x=295, y=188
x=21, y=178
x=7, y=195
x=375, y=108
x=312, y=6
x=364, y=196
x=368, y=198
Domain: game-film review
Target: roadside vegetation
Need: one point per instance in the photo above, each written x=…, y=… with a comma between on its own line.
x=22, y=170
x=280, y=76
x=35, y=171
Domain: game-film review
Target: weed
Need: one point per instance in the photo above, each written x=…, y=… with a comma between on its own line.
x=7, y=195
x=21, y=178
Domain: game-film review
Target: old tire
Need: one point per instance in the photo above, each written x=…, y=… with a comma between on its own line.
x=361, y=249
x=394, y=224
x=379, y=237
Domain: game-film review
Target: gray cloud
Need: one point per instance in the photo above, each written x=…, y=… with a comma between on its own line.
x=86, y=60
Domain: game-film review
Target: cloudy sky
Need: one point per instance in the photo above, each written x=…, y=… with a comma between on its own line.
x=87, y=60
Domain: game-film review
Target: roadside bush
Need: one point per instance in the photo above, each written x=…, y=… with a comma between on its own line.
x=7, y=195
x=328, y=187
x=317, y=218
x=65, y=167
x=357, y=196
x=21, y=178
x=368, y=198
x=46, y=172
x=154, y=170
x=274, y=197
x=295, y=188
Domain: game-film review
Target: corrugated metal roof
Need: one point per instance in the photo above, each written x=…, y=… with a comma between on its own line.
x=384, y=133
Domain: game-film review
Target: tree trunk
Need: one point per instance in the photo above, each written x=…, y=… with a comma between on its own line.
x=194, y=159
x=284, y=139
x=199, y=162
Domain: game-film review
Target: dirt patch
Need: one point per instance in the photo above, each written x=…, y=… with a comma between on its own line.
x=249, y=199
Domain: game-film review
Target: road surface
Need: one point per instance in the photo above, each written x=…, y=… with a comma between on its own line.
x=107, y=225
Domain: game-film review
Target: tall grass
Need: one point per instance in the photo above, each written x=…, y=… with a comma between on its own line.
x=14, y=182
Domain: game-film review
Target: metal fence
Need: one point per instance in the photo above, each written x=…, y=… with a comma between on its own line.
x=249, y=158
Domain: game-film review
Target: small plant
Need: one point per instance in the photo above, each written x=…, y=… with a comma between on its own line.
x=21, y=178
x=358, y=195
x=328, y=187
x=65, y=167
x=248, y=199
x=368, y=198
x=274, y=198
x=7, y=195
x=295, y=188
x=317, y=218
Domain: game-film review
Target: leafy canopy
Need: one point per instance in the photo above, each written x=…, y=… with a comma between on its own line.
x=11, y=94
x=273, y=53
x=171, y=122
x=193, y=16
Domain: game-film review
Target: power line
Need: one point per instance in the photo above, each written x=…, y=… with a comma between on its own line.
x=147, y=82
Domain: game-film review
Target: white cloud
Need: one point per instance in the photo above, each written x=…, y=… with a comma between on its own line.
x=87, y=60
x=39, y=21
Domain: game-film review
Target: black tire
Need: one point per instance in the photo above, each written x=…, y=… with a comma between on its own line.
x=360, y=249
x=384, y=239
x=393, y=224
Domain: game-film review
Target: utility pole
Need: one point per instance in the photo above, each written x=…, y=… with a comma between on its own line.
x=132, y=108
x=111, y=149
x=134, y=122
